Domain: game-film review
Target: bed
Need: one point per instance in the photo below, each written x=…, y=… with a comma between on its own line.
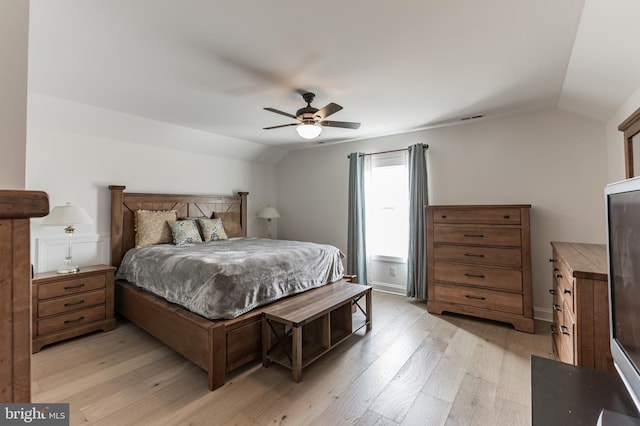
x=218, y=346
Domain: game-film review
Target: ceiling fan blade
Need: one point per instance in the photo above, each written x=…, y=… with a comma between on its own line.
x=281, y=112
x=282, y=125
x=327, y=111
x=345, y=124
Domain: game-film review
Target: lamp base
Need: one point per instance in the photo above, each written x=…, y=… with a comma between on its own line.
x=68, y=267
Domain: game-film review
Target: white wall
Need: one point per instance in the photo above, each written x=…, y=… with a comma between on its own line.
x=14, y=36
x=553, y=160
x=615, y=138
x=73, y=155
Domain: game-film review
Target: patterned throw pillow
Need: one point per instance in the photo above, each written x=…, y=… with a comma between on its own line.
x=151, y=227
x=212, y=229
x=185, y=232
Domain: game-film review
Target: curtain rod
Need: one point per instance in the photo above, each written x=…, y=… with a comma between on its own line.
x=386, y=152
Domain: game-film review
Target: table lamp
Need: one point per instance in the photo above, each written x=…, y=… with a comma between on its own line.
x=268, y=213
x=67, y=216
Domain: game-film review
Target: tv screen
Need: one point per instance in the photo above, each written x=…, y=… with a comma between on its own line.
x=623, y=243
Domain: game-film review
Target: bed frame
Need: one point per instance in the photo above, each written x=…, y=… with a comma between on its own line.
x=217, y=346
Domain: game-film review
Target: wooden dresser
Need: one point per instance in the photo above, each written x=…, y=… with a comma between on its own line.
x=479, y=261
x=580, y=328
x=16, y=207
x=69, y=305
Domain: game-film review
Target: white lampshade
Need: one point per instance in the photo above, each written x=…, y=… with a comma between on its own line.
x=268, y=213
x=67, y=215
x=309, y=131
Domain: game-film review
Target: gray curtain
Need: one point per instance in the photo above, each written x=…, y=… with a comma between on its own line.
x=418, y=198
x=356, y=249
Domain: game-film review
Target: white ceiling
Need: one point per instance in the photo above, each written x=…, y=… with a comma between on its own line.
x=395, y=66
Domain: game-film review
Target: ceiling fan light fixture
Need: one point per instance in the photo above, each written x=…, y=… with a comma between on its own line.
x=311, y=120
x=309, y=131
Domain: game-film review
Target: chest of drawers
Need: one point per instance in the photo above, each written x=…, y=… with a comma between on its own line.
x=69, y=305
x=580, y=328
x=479, y=260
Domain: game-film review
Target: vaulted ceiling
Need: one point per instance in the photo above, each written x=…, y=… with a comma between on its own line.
x=395, y=67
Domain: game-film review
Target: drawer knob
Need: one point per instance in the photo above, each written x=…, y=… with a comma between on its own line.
x=557, y=307
x=565, y=330
x=473, y=255
x=552, y=260
x=552, y=291
x=74, y=320
x=473, y=275
x=69, y=287
x=444, y=216
x=469, y=296
x=558, y=275
x=566, y=291
x=474, y=235
x=79, y=302
x=506, y=216
x=554, y=329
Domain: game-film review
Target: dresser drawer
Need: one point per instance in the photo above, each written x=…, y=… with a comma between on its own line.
x=485, y=276
x=70, y=320
x=565, y=351
x=498, y=215
x=564, y=284
x=70, y=303
x=479, y=298
x=71, y=286
x=563, y=330
x=567, y=331
x=478, y=235
x=555, y=339
x=479, y=255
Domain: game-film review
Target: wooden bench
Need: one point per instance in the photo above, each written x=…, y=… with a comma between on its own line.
x=307, y=327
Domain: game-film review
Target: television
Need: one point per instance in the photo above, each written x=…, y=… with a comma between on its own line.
x=622, y=201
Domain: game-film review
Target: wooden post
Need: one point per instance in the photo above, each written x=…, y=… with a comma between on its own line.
x=16, y=207
x=116, y=224
x=296, y=353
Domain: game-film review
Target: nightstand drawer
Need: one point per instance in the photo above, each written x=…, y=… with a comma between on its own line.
x=71, y=286
x=71, y=303
x=73, y=319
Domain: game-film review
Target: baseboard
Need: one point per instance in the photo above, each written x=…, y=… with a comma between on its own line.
x=388, y=288
x=543, y=314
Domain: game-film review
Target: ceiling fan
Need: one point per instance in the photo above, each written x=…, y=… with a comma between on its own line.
x=311, y=120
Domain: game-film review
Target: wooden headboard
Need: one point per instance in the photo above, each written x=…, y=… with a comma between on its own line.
x=231, y=209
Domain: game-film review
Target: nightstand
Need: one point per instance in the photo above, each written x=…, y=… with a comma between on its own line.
x=70, y=305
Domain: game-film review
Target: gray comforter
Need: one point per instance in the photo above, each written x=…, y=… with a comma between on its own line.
x=227, y=278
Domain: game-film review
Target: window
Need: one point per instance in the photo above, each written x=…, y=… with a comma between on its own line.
x=387, y=205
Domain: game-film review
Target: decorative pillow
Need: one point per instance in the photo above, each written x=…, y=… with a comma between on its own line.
x=151, y=227
x=184, y=232
x=231, y=223
x=212, y=229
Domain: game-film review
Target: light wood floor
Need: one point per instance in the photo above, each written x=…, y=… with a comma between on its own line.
x=413, y=368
